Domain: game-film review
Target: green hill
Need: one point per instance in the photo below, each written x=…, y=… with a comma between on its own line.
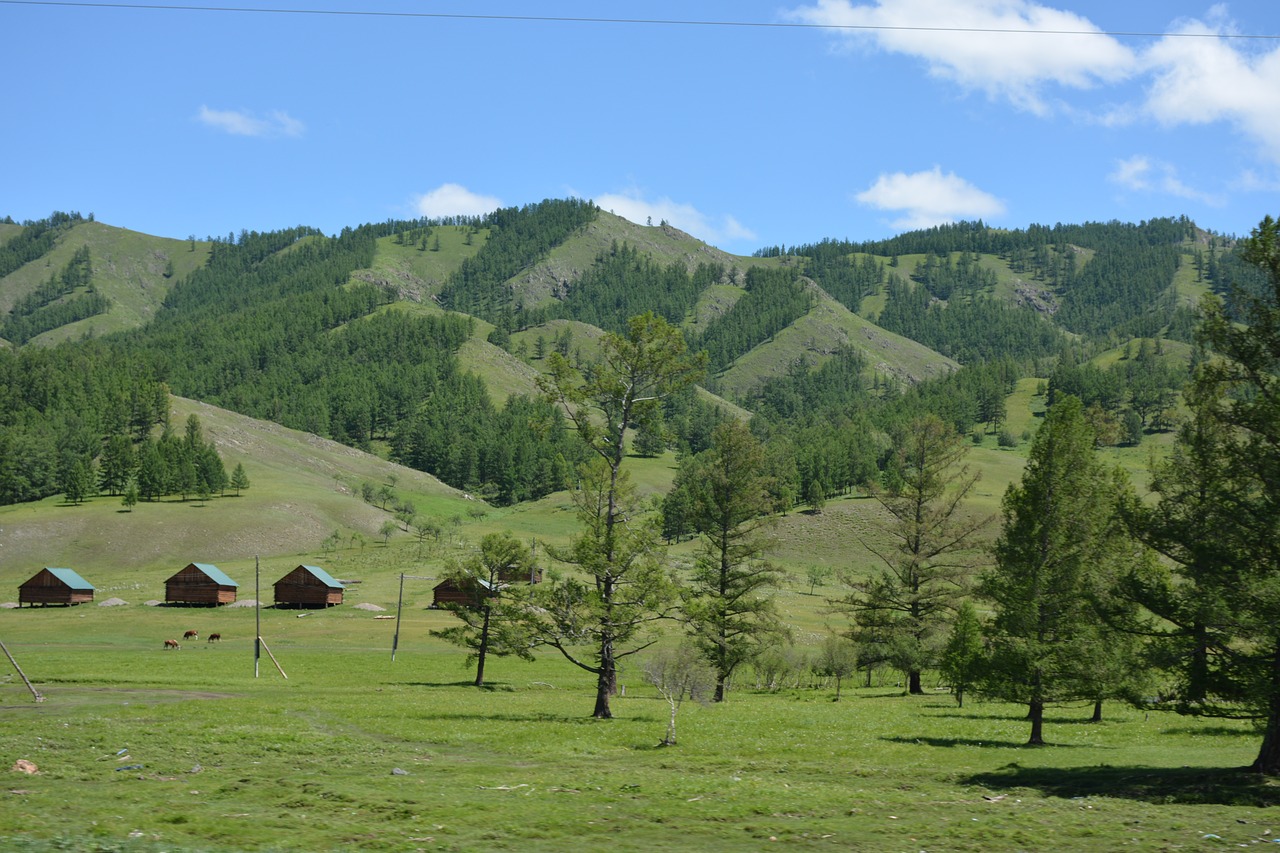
x=815, y=337
x=302, y=488
x=134, y=271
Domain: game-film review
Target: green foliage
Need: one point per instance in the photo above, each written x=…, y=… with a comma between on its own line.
x=729, y=608
x=635, y=372
x=774, y=299
x=1217, y=516
x=57, y=302
x=623, y=283
x=518, y=238
x=905, y=607
x=491, y=623
x=34, y=241
x=963, y=659
x=1056, y=530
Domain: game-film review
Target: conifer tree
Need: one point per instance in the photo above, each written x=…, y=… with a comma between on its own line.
x=1055, y=530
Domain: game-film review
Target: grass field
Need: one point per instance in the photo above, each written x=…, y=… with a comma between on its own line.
x=144, y=749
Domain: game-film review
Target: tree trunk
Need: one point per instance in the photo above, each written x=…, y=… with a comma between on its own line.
x=1268, y=760
x=483, y=649
x=914, y=686
x=1036, y=714
x=960, y=696
x=606, y=681
x=1097, y=712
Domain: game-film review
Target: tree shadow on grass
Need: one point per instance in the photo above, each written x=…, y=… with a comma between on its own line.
x=1015, y=718
x=1157, y=785
x=583, y=719
x=964, y=741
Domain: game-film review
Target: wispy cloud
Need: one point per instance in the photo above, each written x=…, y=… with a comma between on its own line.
x=985, y=45
x=633, y=206
x=454, y=200
x=241, y=123
x=929, y=198
x=1142, y=174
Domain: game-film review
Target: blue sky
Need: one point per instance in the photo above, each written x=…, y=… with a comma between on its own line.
x=874, y=117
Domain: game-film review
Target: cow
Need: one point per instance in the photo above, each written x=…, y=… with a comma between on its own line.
x=171, y=644
x=215, y=637
x=191, y=635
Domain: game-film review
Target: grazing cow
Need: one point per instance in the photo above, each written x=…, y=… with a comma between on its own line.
x=171, y=644
x=191, y=635
x=215, y=637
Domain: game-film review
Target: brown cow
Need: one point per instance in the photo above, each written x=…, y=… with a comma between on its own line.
x=191, y=635
x=215, y=637
x=171, y=644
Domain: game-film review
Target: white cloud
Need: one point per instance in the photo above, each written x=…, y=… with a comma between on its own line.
x=1205, y=80
x=929, y=198
x=632, y=206
x=1141, y=174
x=239, y=123
x=979, y=43
x=454, y=200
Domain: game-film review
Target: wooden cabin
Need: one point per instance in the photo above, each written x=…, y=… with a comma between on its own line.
x=200, y=583
x=55, y=586
x=308, y=586
x=448, y=590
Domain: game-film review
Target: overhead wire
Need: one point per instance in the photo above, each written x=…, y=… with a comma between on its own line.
x=798, y=25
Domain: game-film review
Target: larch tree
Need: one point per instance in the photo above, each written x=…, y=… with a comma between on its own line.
x=729, y=608
x=491, y=623
x=1216, y=516
x=1056, y=526
x=928, y=565
x=617, y=549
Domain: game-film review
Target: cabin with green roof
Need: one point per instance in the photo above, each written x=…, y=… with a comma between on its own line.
x=55, y=586
x=200, y=583
x=308, y=586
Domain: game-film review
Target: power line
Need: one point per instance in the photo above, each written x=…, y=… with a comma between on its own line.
x=556, y=19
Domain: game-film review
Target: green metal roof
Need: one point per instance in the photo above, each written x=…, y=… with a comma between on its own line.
x=215, y=574
x=324, y=577
x=70, y=578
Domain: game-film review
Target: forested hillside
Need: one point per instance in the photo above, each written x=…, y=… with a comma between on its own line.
x=299, y=327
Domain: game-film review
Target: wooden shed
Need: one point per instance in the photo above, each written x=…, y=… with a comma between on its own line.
x=200, y=583
x=448, y=590
x=308, y=586
x=55, y=586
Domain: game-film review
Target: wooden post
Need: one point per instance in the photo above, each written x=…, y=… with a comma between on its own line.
x=273, y=658
x=34, y=692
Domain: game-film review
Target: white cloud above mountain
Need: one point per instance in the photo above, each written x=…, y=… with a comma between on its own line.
x=929, y=198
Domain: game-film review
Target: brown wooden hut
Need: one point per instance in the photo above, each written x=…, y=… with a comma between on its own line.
x=55, y=586
x=200, y=583
x=308, y=586
x=448, y=591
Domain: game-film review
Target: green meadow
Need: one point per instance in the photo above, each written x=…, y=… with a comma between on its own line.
x=139, y=748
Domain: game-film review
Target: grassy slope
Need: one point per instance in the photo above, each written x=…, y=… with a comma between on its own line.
x=128, y=268
x=664, y=244
x=302, y=489
x=417, y=274
x=820, y=333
